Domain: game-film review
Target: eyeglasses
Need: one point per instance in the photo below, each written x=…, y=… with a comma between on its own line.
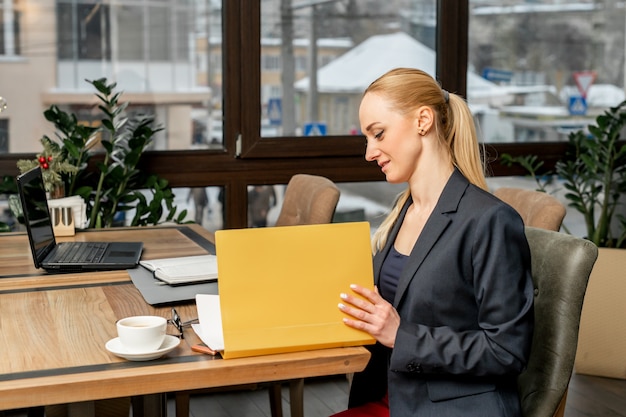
x=179, y=323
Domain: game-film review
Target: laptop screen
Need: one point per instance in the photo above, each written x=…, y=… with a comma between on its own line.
x=36, y=214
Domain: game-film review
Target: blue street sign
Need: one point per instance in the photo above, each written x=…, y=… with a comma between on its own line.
x=315, y=129
x=275, y=111
x=577, y=106
x=494, y=74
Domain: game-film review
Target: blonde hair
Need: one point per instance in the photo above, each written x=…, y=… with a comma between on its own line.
x=407, y=89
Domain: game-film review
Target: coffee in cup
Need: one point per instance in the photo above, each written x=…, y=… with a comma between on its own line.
x=140, y=334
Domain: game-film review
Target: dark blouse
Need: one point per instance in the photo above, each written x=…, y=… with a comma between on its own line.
x=390, y=273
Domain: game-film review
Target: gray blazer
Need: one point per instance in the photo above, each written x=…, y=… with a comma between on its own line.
x=465, y=298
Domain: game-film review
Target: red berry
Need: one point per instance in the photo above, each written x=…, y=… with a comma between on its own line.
x=45, y=165
x=42, y=159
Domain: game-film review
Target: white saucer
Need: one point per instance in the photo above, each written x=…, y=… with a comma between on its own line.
x=115, y=347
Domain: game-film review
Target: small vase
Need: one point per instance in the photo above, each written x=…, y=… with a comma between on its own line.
x=58, y=191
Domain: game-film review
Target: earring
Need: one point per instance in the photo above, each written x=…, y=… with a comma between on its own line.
x=421, y=132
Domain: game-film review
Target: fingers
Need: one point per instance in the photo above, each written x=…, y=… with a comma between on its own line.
x=373, y=296
x=360, y=312
x=380, y=320
x=369, y=307
x=357, y=302
x=357, y=318
x=360, y=307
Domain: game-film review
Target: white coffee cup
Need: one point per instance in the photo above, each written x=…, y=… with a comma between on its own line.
x=140, y=334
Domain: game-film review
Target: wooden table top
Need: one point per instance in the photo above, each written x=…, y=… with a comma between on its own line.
x=53, y=331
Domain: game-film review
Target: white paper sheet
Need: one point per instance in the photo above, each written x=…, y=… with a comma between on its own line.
x=209, y=327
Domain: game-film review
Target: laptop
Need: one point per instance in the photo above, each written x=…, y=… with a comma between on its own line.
x=66, y=256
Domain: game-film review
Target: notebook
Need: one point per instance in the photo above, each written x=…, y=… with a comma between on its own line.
x=279, y=287
x=66, y=256
x=183, y=270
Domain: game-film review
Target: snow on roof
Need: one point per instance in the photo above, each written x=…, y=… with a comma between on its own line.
x=599, y=95
x=533, y=8
x=356, y=69
x=343, y=43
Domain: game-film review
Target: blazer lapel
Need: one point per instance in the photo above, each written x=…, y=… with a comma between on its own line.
x=437, y=223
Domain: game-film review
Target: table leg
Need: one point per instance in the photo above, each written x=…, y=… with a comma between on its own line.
x=81, y=409
x=153, y=405
x=276, y=406
x=296, y=397
x=182, y=400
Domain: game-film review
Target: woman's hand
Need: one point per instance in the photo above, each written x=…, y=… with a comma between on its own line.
x=371, y=314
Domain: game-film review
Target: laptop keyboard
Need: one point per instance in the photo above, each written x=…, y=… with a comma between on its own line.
x=81, y=252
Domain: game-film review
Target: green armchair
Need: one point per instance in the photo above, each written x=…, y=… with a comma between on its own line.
x=561, y=265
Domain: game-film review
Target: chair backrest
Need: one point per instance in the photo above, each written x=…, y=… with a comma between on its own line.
x=561, y=265
x=309, y=199
x=536, y=208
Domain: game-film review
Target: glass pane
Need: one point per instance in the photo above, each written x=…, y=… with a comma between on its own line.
x=203, y=205
x=263, y=204
x=131, y=22
x=9, y=28
x=66, y=33
x=317, y=58
x=82, y=31
x=160, y=33
x=4, y=133
x=158, y=53
x=526, y=84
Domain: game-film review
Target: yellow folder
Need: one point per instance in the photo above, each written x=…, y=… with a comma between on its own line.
x=279, y=286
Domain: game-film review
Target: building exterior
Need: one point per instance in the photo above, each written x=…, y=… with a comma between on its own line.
x=165, y=56
x=147, y=47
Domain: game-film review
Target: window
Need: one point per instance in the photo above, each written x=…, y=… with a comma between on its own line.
x=327, y=61
x=520, y=52
x=4, y=135
x=230, y=122
x=9, y=28
x=271, y=63
x=83, y=31
x=131, y=42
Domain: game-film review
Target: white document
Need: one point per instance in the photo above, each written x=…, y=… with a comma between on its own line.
x=183, y=270
x=209, y=326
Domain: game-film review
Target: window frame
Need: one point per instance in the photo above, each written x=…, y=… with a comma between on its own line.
x=256, y=160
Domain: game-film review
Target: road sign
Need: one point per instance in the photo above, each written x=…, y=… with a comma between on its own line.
x=577, y=106
x=494, y=74
x=315, y=129
x=275, y=111
x=583, y=80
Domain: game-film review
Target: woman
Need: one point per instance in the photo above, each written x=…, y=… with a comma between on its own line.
x=452, y=310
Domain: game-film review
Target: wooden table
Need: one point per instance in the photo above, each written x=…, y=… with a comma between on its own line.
x=53, y=329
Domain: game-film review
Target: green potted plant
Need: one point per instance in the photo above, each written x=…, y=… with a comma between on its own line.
x=115, y=185
x=593, y=173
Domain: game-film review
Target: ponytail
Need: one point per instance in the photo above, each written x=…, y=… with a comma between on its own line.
x=463, y=143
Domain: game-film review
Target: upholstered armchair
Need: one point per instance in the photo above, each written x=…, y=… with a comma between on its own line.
x=561, y=265
x=536, y=208
x=309, y=199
